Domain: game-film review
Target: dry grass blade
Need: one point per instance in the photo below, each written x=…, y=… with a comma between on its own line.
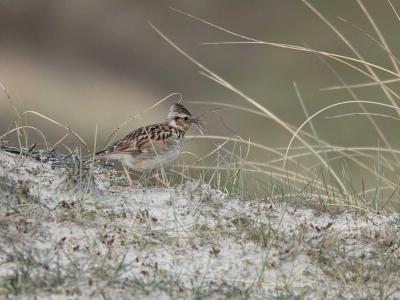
x=355, y=97
x=370, y=37
x=67, y=128
x=282, y=178
x=327, y=147
x=388, y=92
x=250, y=143
x=212, y=25
x=394, y=10
x=287, y=46
x=279, y=172
x=336, y=57
x=354, y=151
x=380, y=35
x=329, y=107
x=227, y=85
x=358, y=85
x=19, y=122
x=210, y=153
x=351, y=47
x=362, y=114
x=26, y=127
x=10, y=100
x=303, y=106
x=370, y=70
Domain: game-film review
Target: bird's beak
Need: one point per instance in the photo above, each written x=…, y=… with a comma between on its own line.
x=197, y=123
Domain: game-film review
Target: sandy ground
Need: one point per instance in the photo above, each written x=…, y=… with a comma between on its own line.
x=73, y=234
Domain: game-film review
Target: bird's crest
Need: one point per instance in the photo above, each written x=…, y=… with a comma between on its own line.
x=177, y=110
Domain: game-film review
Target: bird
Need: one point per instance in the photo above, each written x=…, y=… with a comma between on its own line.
x=152, y=147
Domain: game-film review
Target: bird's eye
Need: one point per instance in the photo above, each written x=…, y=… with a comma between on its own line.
x=186, y=118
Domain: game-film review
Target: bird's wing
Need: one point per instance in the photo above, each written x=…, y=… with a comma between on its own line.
x=143, y=140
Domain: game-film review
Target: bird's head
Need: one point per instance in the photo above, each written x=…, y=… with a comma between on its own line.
x=180, y=117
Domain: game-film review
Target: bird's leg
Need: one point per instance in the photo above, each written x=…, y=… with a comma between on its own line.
x=142, y=176
x=128, y=177
x=160, y=180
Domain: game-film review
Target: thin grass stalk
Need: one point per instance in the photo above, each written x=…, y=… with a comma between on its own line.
x=250, y=100
x=26, y=127
x=370, y=70
x=334, y=105
x=380, y=36
x=325, y=144
x=256, y=166
x=358, y=85
x=67, y=128
x=19, y=122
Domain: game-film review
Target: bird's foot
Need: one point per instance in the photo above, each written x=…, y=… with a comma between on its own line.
x=163, y=182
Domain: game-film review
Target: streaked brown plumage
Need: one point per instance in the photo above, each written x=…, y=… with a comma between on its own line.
x=154, y=146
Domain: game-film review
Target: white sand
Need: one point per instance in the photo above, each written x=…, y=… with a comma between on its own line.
x=182, y=242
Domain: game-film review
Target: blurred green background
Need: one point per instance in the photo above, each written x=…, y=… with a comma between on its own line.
x=99, y=62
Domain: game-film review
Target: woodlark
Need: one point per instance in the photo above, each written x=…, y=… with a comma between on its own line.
x=152, y=147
